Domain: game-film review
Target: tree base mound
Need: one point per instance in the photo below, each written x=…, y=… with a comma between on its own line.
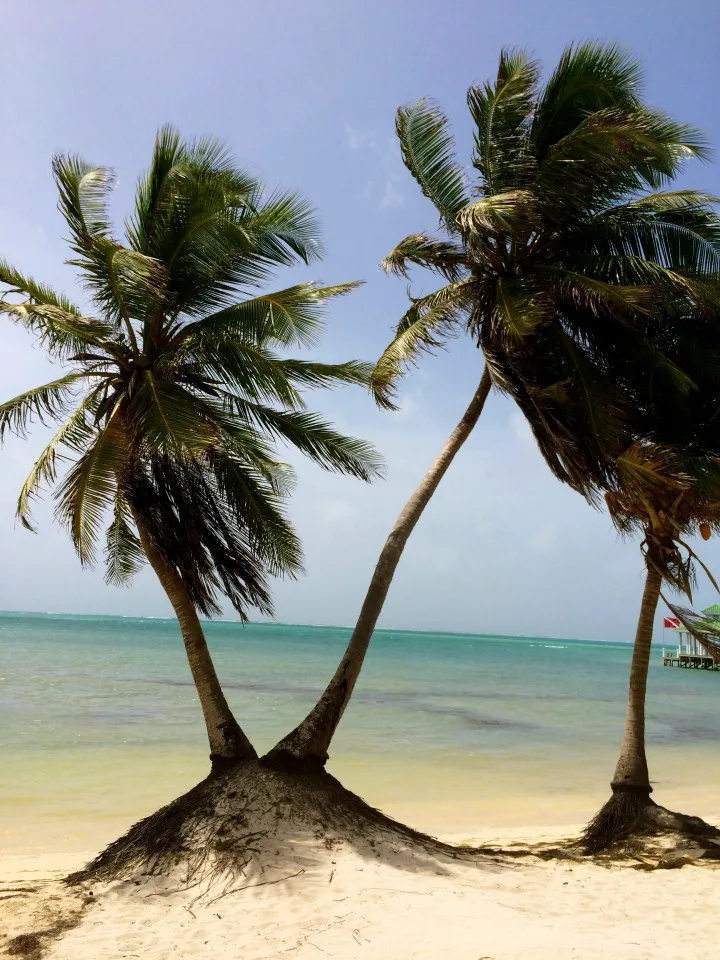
x=250, y=825
x=632, y=825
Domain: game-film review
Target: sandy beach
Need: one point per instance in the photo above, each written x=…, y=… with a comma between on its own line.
x=495, y=909
x=107, y=732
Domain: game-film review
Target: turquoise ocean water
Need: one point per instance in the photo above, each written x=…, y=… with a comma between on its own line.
x=99, y=723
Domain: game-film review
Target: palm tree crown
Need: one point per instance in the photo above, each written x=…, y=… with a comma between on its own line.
x=563, y=244
x=179, y=384
x=665, y=484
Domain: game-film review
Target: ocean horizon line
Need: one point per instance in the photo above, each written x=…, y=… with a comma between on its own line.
x=318, y=626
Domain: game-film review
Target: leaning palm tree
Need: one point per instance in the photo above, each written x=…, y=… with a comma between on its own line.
x=665, y=495
x=557, y=249
x=178, y=388
x=666, y=487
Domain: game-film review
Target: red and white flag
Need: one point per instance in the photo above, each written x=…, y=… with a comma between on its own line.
x=671, y=622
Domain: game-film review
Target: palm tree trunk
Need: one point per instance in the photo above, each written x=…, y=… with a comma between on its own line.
x=228, y=743
x=306, y=747
x=631, y=772
x=622, y=814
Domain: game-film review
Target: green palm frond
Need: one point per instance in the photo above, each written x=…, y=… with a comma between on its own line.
x=290, y=317
x=588, y=77
x=420, y=249
x=89, y=489
x=211, y=225
x=59, y=324
x=84, y=192
x=261, y=375
x=38, y=293
x=502, y=112
x=256, y=499
x=73, y=436
x=686, y=240
x=643, y=467
x=603, y=425
x=423, y=329
x=519, y=309
x=616, y=151
x=62, y=333
x=309, y=373
x=311, y=435
x=171, y=420
x=285, y=228
x=427, y=149
x=46, y=403
x=598, y=297
x=124, y=555
x=239, y=366
x=127, y=285
x=196, y=530
x=124, y=283
x=153, y=195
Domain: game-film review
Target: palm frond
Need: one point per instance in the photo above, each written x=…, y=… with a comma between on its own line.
x=645, y=468
x=423, y=329
x=38, y=293
x=258, y=505
x=74, y=435
x=616, y=151
x=171, y=420
x=89, y=489
x=196, y=530
x=661, y=229
x=60, y=332
x=598, y=297
x=588, y=77
x=46, y=403
x=124, y=554
x=519, y=309
x=315, y=438
x=284, y=228
x=211, y=225
x=500, y=213
x=289, y=317
x=422, y=250
x=84, y=191
x=427, y=148
x=502, y=113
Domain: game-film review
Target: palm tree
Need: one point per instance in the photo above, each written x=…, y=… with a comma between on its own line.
x=556, y=250
x=179, y=388
x=666, y=488
x=665, y=495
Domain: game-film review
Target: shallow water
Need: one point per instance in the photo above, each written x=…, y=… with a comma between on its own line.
x=99, y=723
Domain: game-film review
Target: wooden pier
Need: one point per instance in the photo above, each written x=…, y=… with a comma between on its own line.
x=699, y=648
x=671, y=658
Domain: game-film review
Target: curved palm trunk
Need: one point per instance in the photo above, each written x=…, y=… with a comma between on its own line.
x=631, y=772
x=631, y=789
x=307, y=745
x=228, y=744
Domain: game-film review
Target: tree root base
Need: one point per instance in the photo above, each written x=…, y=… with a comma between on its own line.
x=252, y=825
x=632, y=825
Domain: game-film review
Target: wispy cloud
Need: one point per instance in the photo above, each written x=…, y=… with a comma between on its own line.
x=382, y=188
x=392, y=197
x=360, y=139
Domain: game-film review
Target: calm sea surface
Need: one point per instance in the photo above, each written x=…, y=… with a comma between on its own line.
x=99, y=723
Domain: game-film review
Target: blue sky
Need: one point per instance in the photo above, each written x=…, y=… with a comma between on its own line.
x=305, y=94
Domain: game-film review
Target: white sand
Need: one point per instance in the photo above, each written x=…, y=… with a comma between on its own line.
x=525, y=910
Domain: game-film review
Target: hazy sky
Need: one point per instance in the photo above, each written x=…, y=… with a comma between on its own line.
x=305, y=93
